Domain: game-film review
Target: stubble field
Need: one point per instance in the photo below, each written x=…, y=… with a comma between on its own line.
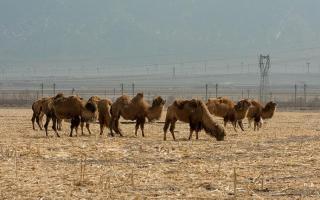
x=281, y=161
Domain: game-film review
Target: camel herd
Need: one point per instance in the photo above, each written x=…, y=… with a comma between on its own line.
x=196, y=113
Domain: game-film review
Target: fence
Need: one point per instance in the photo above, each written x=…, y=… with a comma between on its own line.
x=294, y=97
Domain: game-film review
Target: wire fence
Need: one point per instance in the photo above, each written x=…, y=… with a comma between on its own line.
x=295, y=97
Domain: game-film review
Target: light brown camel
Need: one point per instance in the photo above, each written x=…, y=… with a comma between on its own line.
x=257, y=113
x=104, y=107
x=135, y=109
x=72, y=108
x=228, y=110
x=196, y=113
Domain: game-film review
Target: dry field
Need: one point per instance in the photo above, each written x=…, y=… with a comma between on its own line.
x=280, y=162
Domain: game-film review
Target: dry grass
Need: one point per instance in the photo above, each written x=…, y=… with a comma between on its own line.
x=280, y=162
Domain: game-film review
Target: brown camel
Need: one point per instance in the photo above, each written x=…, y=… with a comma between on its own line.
x=258, y=113
x=72, y=108
x=37, y=112
x=228, y=110
x=196, y=113
x=94, y=100
x=104, y=107
x=135, y=109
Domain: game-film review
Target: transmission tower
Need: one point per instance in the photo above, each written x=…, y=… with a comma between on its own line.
x=264, y=65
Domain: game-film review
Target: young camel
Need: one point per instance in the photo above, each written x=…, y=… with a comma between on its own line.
x=228, y=110
x=94, y=100
x=135, y=109
x=195, y=113
x=257, y=113
x=37, y=113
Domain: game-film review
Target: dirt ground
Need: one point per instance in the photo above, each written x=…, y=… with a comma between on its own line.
x=279, y=162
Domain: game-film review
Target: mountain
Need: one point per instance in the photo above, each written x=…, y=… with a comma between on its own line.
x=126, y=31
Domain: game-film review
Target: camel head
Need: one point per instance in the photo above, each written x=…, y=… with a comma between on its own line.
x=59, y=95
x=90, y=110
x=270, y=106
x=242, y=105
x=94, y=99
x=155, y=111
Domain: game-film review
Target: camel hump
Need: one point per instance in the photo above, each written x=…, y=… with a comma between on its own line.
x=138, y=97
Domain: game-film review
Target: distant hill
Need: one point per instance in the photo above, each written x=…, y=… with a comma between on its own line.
x=134, y=31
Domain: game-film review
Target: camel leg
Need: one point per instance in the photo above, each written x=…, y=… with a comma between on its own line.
x=59, y=124
x=74, y=124
x=172, y=127
x=54, y=125
x=88, y=128
x=101, y=128
x=165, y=129
x=41, y=115
x=142, y=121
x=225, y=121
x=197, y=135
x=137, y=127
x=249, y=123
x=32, y=120
x=118, y=128
x=234, y=126
x=47, y=124
x=241, y=125
x=82, y=125
x=191, y=132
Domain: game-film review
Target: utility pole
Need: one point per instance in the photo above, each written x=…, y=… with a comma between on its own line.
x=308, y=67
x=206, y=92
x=264, y=66
x=174, y=72
x=305, y=93
x=295, y=95
x=217, y=90
x=205, y=66
x=121, y=88
x=41, y=89
x=54, y=89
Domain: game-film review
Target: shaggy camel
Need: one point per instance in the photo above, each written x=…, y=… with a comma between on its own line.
x=104, y=107
x=72, y=108
x=258, y=113
x=37, y=112
x=196, y=113
x=134, y=109
x=228, y=110
x=94, y=100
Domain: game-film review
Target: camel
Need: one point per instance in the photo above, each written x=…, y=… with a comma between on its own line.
x=196, y=113
x=135, y=109
x=104, y=106
x=258, y=113
x=37, y=113
x=95, y=100
x=229, y=111
x=72, y=108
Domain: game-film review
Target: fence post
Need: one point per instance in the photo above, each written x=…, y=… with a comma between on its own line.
x=295, y=95
x=121, y=88
x=133, y=89
x=217, y=90
x=248, y=91
x=73, y=90
x=54, y=89
x=305, y=94
x=41, y=89
x=206, y=92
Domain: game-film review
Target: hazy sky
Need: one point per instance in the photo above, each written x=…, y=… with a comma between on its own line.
x=142, y=31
